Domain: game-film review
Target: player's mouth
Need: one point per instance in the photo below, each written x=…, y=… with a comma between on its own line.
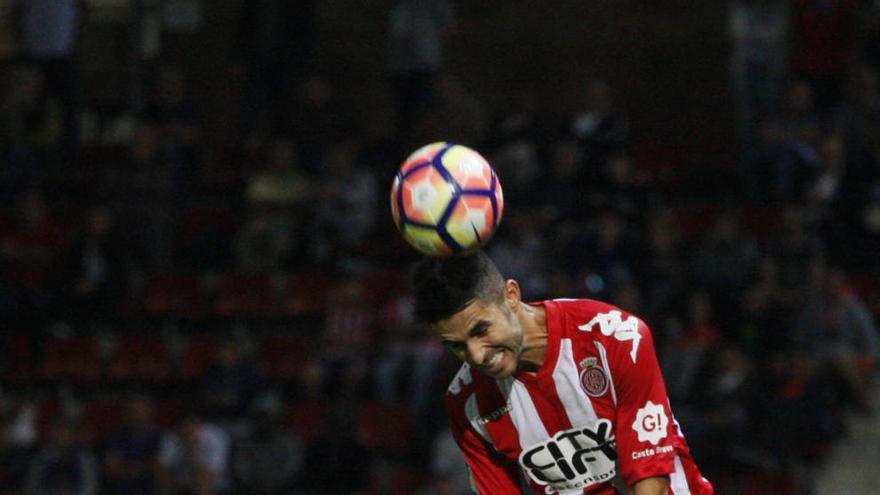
x=495, y=364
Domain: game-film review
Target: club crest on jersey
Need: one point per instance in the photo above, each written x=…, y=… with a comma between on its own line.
x=593, y=381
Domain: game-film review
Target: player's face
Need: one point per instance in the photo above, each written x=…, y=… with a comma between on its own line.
x=488, y=336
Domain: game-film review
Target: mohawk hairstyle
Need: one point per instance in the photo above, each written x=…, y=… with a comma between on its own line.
x=445, y=286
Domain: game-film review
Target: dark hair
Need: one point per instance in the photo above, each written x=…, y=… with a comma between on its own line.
x=444, y=286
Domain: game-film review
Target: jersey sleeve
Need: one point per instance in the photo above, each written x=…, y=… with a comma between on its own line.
x=647, y=438
x=490, y=472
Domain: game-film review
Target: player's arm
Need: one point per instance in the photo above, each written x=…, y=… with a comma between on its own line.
x=645, y=427
x=656, y=485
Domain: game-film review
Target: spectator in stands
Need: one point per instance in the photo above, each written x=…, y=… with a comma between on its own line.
x=456, y=114
x=417, y=32
x=720, y=424
x=269, y=460
x=566, y=186
x=230, y=385
x=132, y=451
x=18, y=439
x=837, y=329
x=347, y=341
x=448, y=473
x=277, y=199
x=758, y=62
x=620, y=187
x=63, y=465
x=766, y=312
x=49, y=38
x=518, y=163
x=785, y=151
x=348, y=199
x=599, y=126
x=602, y=253
x=171, y=106
x=337, y=463
x=686, y=350
x=92, y=274
x=29, y=248
x=725, y=262
x=318, y=120
x=823, y=188
x=276, y=39
x=661, y=268
x=824, y=40
x=30, y=129
x=194, y=458
x=795, y=248
x=520, y=252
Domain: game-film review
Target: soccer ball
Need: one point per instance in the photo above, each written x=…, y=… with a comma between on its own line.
x=446, y=199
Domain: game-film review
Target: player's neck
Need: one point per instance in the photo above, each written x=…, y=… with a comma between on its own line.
x=534, y=324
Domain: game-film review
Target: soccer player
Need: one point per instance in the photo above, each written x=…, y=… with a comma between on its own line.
x=555, y=395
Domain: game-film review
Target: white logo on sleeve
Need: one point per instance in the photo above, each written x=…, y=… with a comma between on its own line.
x=612, y=323
x=463, y=377
x=651, y=423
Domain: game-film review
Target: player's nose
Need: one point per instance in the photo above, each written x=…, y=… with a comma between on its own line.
x=476, y=351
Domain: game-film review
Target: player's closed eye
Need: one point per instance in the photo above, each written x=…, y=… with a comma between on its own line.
x=455, y=347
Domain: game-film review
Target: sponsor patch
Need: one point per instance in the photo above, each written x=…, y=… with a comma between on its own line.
x=651, y=423
x=573, y=459
x=594, y=381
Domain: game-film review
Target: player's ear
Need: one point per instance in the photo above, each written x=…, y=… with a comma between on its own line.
x=512, y=294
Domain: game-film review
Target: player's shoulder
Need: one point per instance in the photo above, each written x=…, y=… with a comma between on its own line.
x=588, y=320
x=463, y=383
x=583, y=314
x=581, y=307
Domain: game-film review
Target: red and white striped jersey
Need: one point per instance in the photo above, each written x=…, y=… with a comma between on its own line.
x=597, y=405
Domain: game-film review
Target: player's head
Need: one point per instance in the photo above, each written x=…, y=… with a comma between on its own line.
x=473, y=310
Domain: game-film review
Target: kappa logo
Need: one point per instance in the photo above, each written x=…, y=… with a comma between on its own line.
x=651, y=423
x=573, y=459
x=612, y=323
x=462, y=378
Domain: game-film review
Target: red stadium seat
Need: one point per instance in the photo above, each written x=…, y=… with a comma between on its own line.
x=141, y=358
x=17, y=363
x=245, y=295
x=307, y=418
x=384, y=286
x=306, y=294
x=386, y=427
x=74, y=359
x=284, y=357
x=99, y=419
x=168, y=411
x=695, y=220
x=173, y=295
x=199, y=355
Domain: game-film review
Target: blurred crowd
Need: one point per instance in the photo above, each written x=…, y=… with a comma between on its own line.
x=184, y=316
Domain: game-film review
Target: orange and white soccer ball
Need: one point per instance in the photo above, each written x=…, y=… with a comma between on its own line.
x=446, y=199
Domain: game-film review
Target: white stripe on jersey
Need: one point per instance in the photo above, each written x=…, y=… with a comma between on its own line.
x=604, y=355
x=472, y=411
x=568, y=388
x=523, y=413
x=678, y=479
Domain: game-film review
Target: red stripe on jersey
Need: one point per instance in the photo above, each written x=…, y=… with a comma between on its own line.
x=541, y=386
x=492, y=406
